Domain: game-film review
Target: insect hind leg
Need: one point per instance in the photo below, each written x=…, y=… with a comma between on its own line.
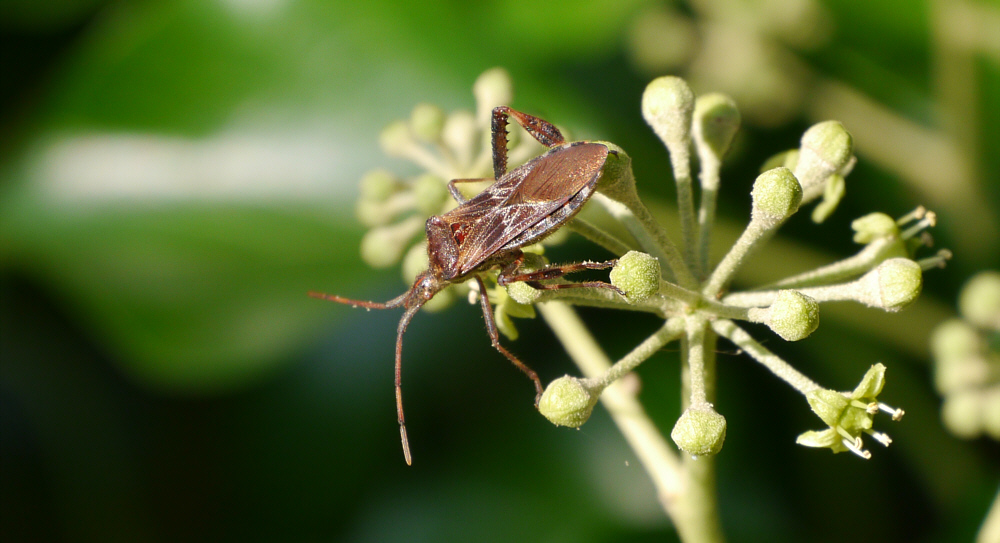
x=509, y=275
x=545, y=132
x=491, y=329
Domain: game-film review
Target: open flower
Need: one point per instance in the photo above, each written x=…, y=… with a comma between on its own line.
x=849, y=414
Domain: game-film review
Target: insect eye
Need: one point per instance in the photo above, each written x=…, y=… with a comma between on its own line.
x=459, y=233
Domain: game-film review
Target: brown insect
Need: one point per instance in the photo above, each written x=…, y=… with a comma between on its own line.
x=488, y=231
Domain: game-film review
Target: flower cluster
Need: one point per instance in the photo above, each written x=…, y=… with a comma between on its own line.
x=673, y=280
x=967, y=360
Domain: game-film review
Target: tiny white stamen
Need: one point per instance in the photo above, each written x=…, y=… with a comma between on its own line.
x=882, y=438
x=855, y=447
x=896, y=413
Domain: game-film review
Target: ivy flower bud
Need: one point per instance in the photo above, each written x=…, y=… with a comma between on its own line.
x=776, y=195
x=979, y=301
x=461, y=135
x=788, y=159
x=383, y=246
x=826, y=148
x=893, y=285
x=523, y=293
x=430, y=193
x=959, y=361
x=492, y=88
x=568, y=402
x=396, y=139
x=379, y=185
x=793, y=315
x=716, y=121
x=874, y=226
x=427, y=122
x=667, y=106
x=638, y=275
x=700, y=431
x=962, y=413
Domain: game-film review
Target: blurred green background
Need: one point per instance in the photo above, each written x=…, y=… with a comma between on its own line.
x=176, y=175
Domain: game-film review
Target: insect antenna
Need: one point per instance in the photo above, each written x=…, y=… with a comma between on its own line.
x=412, y=301
x=395, y=302
x=411, y=310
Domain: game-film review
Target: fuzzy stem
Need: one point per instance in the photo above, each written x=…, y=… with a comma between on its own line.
x=598, y=236
x=696, y=359
x=709, y=178
x=852, y=266
x=671, y=330
x=756, y=232
x=680, y=159
x=660, y=461
x=627, y=208
x=687, y=494
x=783, y=370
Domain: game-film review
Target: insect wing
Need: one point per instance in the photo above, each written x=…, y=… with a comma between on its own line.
x=522, y=199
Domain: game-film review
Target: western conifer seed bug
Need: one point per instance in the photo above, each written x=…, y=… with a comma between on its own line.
x=485, y=232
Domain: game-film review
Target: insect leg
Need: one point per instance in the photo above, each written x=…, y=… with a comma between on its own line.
x=543, y=131
x=458, y=195
x=491, y=328
x=509, y=275
x=403, y=322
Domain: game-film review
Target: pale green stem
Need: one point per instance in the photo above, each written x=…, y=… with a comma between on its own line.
x=671, y=330
x=709, y=178
x=783, y=370
x=598, y=236
x=756, y=232
x=866, y=259
x=627, y=208
x=656, y=456
x=680, y=159
x=696, y=359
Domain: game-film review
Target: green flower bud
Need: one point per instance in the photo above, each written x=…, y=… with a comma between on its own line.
x=826, y=148
x=567, y=402
x=372, y=213
x=667, y=106
x=788, y=159
x=979, y=301
x=617, y=173
x=833, y=192
x=396, y=139
x=793, y=315
x=955, y=339
x=430, y=192
x=700, y=431
x=961, y=413
x=638, y=275
x=383, y=246
x=492, y=88
x=776, y=195
x=427, y=122
x=893, y=285
x=716, y=121
x=379, y=185
x=874, y=226
x=461, y=134
x=415, y=262
x=523, y=293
